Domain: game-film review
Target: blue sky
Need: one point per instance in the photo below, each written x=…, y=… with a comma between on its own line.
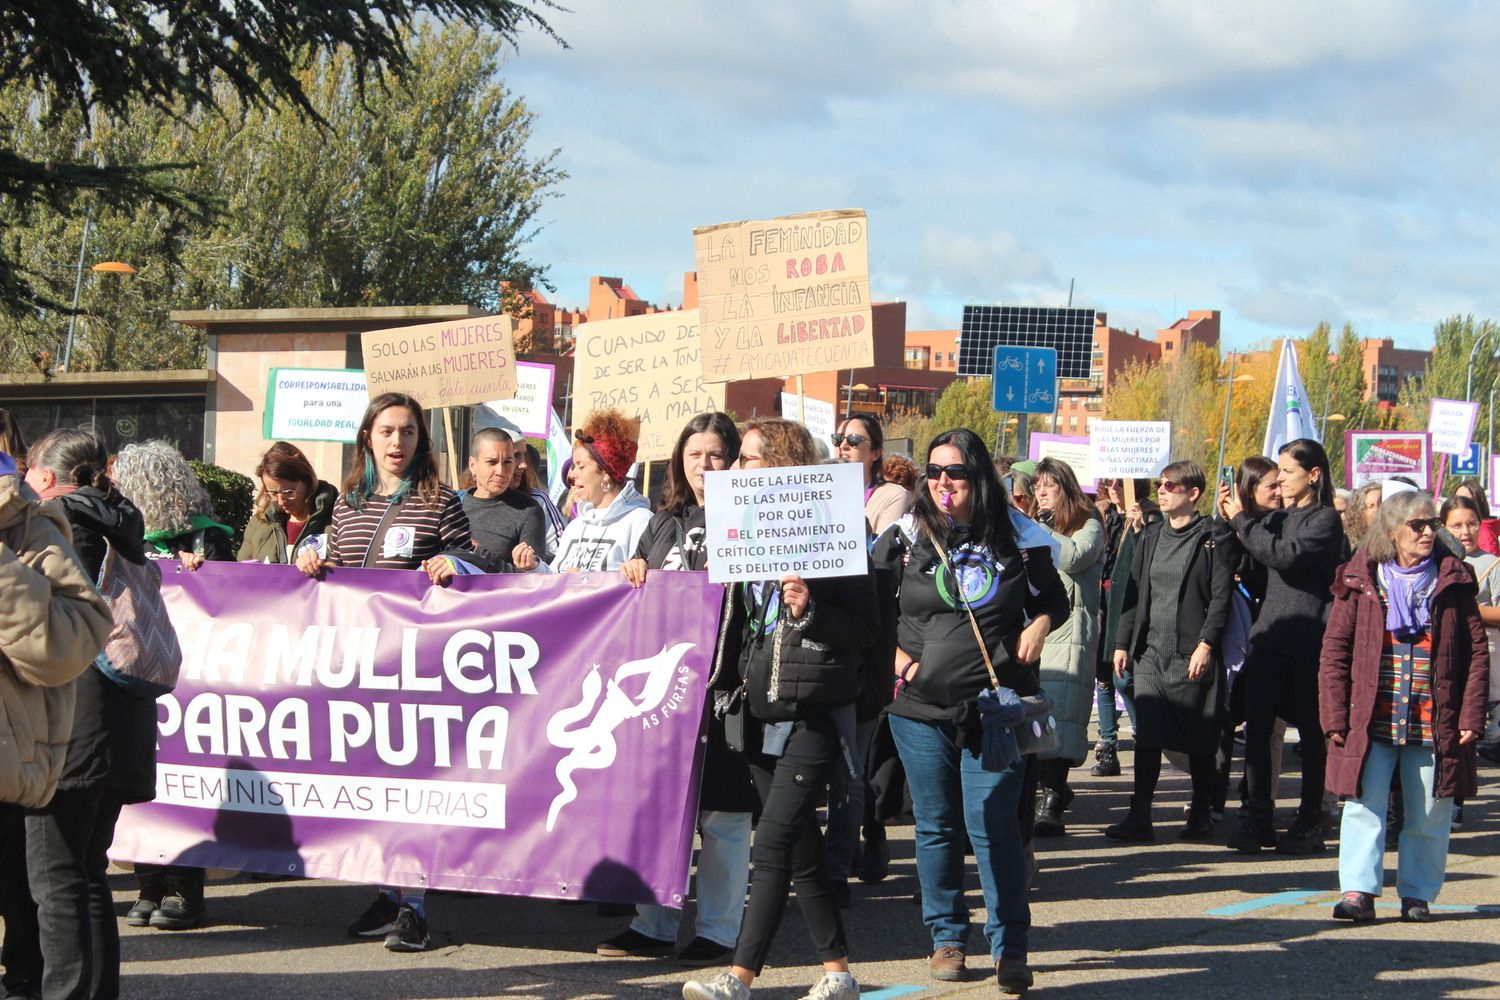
x=1286, y=163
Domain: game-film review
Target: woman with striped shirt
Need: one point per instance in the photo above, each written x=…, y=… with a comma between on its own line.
x=393, y=513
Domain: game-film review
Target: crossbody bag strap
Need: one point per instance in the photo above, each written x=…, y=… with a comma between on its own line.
x=379, y=535
x=958, y=593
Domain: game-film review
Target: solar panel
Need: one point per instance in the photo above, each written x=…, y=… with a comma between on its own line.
x=1069, y=331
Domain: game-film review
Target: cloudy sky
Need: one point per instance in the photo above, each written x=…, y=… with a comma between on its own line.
x=1286, y=163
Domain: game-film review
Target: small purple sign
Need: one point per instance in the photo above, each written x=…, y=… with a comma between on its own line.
x=533, y=735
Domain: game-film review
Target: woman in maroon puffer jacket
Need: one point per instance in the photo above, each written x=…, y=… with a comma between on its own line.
x=1403, y=680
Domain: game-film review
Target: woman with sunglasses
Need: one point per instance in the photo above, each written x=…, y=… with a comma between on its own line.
x=1402, y=687
x=963, y=556
x=611, y=514
x=1300, y=546
x=799, y=642
x=1072, y=647
x=294, y=508
x=860, y=439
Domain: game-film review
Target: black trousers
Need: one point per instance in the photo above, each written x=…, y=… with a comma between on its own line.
x=1279, y=685
x=788, y=848
x=68, y=940
x=21, y=952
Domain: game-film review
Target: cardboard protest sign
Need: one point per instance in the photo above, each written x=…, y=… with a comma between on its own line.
x=1370, y=456
x=452, y=363
x=785, y=296
x=647, y=367
x=1451, y=424
x=806, y=519
x=314, y=404
x=1065, y=448
x=1129, y=449
x=529, y=410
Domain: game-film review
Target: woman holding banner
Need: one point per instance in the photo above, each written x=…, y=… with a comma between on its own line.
x=1300, y=546
x=294, y=508
x=674, y=540
x=393, y=513
x=798, y=644
x=612, y=514
x=966, y=575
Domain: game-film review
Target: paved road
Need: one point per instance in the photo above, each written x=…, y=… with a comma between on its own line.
x=1167, y=919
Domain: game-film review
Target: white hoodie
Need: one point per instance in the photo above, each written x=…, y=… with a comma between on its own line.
x=602, y=539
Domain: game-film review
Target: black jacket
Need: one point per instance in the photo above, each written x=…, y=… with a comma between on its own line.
x=726, y=785
x=674, y=540
x=114, y=732
x=1203, y=597
x=819, y=660
x=1300, y=549
x=935, y=630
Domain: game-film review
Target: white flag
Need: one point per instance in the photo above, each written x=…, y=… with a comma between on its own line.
x=1291, y=414
x=559, y=450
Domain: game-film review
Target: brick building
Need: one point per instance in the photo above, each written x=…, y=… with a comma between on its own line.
x=1387, y=367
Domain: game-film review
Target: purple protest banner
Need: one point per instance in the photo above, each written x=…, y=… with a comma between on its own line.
x=524, y=734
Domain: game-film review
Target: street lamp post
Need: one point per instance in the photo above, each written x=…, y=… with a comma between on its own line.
x=1228, y=395
x=104, y=267
x=1469, y=383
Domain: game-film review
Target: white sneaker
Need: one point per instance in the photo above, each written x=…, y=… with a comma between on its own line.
x=724, y=986
x=830, y=987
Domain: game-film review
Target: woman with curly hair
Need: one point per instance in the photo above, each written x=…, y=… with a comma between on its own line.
x=612, y=515
x=179, y=522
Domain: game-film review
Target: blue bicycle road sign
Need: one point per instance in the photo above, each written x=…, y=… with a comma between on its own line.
x=1025, y=379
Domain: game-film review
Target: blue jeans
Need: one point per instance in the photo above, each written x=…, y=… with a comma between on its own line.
x=846, y=806
x=723, y=873
x=951, y=792
x=1422, y=852
x=1109, y=715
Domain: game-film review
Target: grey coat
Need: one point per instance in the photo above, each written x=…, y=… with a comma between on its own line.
x=1069, y=653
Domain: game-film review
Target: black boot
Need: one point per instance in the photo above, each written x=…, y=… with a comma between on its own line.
x=1200, y=824
x=1135, y=826
x=1256, y=830
x=1049, y=813
x=1108, y=762
x=1305, y=836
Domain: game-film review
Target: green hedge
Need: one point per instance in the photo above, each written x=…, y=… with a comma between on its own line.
x=233, y=496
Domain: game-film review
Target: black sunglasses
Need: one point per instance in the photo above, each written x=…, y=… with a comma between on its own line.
x=953, y=471
x=855, y=440
x=1416, y=524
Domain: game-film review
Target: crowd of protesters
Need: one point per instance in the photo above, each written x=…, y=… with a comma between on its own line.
x=1005, y=604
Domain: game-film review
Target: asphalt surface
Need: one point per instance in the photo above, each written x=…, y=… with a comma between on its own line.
x=1163, y=919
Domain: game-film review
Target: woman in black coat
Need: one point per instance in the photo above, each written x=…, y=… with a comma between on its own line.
x=674, y=540
x=799, y=662
x=1300, y=545
x=180, y=525
x=1171, y=625
x=110, y=763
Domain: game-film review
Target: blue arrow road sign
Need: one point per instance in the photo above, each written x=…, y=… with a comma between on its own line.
x=1026, y=379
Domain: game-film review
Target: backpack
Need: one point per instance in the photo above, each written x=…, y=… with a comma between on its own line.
x=142, y=654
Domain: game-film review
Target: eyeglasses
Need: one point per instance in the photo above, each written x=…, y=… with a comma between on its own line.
x=1420, y=524
x=855, y=440
x=953, y=471
x=286, y=494
x=1167, y=486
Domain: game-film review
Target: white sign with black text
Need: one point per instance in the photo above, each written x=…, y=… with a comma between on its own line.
x=804, y=519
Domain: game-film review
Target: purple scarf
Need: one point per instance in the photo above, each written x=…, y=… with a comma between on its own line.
x=1408, y=611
